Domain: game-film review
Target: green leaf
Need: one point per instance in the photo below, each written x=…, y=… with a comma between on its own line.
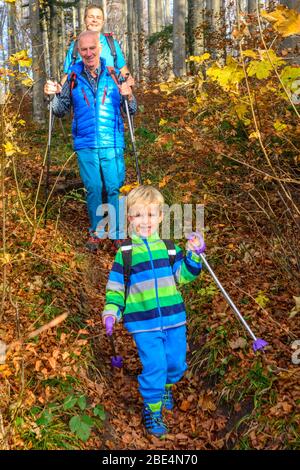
x=99, y=411
x=19, y=422
x=82, y=402
x=45, y=418
x=81, y=426
x=69, y=402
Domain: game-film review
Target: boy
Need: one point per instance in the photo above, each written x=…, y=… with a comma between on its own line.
x=150, y=304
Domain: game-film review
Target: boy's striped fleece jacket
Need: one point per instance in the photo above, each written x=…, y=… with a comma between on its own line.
x=153, y=301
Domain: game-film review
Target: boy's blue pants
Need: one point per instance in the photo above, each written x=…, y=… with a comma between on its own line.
x=102, y=168
x=163, y=357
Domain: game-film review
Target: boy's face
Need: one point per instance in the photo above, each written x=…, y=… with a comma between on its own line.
x=144, y=220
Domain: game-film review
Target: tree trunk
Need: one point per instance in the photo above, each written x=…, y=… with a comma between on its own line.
x=38, y=71
x=45, y=34
x=251, y=4
x=167, y=12
x=12, y=49
x=80, y=12
x=196, y=10
x=152, y=30
x=117, y=21
x=179, y=55
x=141, y=39
x=54, y=41
x=159, y=15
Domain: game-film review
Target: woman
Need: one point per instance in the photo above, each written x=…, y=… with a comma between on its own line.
x=94, y=21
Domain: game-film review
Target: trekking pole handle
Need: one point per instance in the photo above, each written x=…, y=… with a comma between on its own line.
x=109, y=325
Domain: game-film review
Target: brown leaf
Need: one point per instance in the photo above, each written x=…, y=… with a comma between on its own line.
x=185, y=405
x=238, y=343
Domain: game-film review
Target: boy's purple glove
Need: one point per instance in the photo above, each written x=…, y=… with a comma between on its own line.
x=109, y=325
x=196, y=243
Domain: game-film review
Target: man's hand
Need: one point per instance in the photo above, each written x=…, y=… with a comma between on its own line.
x=129, y=79
x=196, y=243
x=52, y=87
x=125, y=89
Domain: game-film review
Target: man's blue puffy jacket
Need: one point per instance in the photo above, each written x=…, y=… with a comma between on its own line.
x=97, y=120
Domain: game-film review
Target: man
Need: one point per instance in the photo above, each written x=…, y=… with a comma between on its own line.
x=98, y=130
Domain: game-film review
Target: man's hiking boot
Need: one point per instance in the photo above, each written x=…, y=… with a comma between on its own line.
x=153, y=421
x=168, y=401
x=92, y=244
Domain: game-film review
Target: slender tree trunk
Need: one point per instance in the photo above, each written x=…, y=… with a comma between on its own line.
x=141, y=39
x=251, y=4
x=159, y=15
x=152, y=30
x=196, y=10
x=38, y=70
x=74, y=22
x=80, y=12
x=54, y=48
x=12, y=33
x=167, y=12
x=130, y=26
x=45, y=34
x=117, y=20
x=179, y=55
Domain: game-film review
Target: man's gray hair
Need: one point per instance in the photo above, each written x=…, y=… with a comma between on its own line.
x=85, y=34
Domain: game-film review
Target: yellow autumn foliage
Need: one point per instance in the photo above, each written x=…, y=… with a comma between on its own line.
x=284, y=20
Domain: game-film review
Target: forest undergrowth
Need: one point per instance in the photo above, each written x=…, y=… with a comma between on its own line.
x=58, y=389
x=228, y=139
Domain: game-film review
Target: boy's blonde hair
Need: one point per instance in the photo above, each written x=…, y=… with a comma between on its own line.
x=145, y=195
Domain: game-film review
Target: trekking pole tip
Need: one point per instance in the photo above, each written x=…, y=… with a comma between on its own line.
x=259, y=344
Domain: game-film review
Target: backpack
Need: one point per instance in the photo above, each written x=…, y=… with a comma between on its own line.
x=110, y=41
x=126, y=249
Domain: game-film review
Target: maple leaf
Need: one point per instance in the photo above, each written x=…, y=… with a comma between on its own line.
x=9, y=149
x=20, y=58
x=289, y=74
x=229, y=75
x=285, y=21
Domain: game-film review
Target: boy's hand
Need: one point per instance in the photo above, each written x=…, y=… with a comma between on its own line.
x=109, y=322
x=196, y=243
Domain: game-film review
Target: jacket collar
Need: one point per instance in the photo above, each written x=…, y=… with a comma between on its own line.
x=136, y=239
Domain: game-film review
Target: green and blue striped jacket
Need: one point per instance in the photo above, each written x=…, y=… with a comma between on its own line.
x=153, y=301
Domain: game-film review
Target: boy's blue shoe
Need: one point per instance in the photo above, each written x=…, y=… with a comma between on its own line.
x=168, y=401
x=153, y=420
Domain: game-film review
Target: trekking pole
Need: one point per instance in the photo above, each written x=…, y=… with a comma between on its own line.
x=258, y=343
x=50, y=127
x=131, y=131
x=116, y=361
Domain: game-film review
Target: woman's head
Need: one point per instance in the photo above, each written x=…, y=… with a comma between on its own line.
x=94, y=18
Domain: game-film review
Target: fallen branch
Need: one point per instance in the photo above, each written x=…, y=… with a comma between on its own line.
x=37, y=332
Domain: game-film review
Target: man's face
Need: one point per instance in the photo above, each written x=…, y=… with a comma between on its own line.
x=89, y=48
x=94, y=20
